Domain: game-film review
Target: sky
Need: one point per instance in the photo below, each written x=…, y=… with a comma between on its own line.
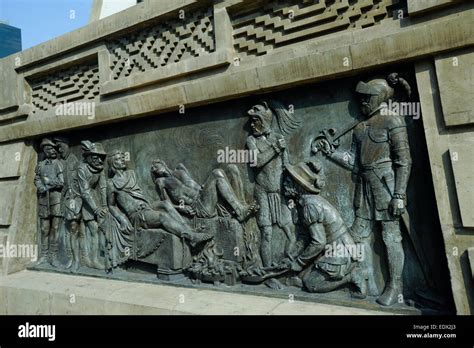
x=43, y=20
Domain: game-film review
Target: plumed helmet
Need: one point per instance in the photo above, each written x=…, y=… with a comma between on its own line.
x=376, y=87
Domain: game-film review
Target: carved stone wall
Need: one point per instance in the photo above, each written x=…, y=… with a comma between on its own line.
x=73, y=84
x=176, y=89
x=274, y=24
x=168, y=42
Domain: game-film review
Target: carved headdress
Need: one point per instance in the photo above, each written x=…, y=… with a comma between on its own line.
x=287, y=122
x=90, y=148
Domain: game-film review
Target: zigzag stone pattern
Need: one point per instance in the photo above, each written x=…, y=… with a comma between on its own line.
x=66, y=86
x=162, y=44
x=276, y=23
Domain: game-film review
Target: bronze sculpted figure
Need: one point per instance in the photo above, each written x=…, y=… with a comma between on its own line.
x=49, y=181
x=70, y=202
x=92, y=188
x=272, y=157
x=380, y=155
x=207, y=233
x=188, y=197
x=331, y=251
x=132, y=210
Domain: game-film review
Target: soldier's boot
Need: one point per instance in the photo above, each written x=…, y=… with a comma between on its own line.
x=368, y=266
x=95, y=260
x=394, y=290
x=359, y=280
x=391, y=294
x=44, y=250
x=97, y=263
x=53, y=254
x=69, y=253
x=76, y=254
x=84, y=252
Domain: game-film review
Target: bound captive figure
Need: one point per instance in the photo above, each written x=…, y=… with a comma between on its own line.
x=331, y=251
x=380, y=156
x=49, y=181
x=188, y=197
x=132, y=210
x=272, y=156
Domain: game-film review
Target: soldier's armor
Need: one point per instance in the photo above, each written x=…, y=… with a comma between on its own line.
x=383, y=162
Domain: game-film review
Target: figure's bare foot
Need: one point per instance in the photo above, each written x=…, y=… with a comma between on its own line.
x=196, y=238
x=248, y=211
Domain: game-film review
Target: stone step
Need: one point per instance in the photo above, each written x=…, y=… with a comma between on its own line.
x=43, y=293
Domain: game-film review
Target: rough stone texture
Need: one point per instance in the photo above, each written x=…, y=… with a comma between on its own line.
x=416, y=7
x=19, y=210
x=47, y=293
x=470, y=253
x=439, y=142
x=463, y=172
x=10, y=157
x=305, y=65
x=7, y=192
x=455, y=74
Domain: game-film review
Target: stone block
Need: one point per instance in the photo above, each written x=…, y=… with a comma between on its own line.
x=10, y=157
x=462, y=160
x=470, y=254
x=7, y=194
x=27, y=300
x=416, y=7
x=455, y=73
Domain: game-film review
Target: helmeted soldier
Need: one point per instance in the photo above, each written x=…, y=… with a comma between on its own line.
x=380, y=155
x=70, y=202
x=92, y=189
x=49, y=181
x=331, y=251
x=272, y=155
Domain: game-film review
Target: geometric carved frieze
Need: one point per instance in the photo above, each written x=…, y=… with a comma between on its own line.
x=279, y=23
x=73, y=84
x=167, y=42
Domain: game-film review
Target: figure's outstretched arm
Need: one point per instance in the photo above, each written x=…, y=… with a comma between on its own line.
x=346, y=159
x=315, y=246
